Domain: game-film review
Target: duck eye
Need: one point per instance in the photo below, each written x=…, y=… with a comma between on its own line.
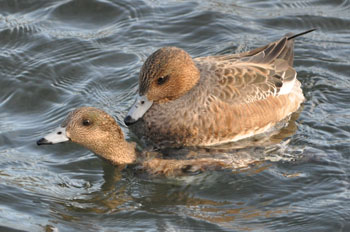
x=162, y=80
x=86, y=122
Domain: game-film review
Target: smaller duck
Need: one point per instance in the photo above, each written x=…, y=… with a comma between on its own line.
x=213, y=100
x=99, y=132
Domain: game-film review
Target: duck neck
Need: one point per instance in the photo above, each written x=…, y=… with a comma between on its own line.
x=120, y=153
x=192, y=75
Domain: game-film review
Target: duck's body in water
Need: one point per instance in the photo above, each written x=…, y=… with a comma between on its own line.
x=213, y=100
x=100, y=133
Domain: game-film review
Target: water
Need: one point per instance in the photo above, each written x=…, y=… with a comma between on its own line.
x=58, y=55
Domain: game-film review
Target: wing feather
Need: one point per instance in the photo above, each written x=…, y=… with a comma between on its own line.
x=247, y=82
x=253, y=75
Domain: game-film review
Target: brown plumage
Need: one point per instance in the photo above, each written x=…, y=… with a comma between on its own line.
x=99, y=132
x=217, y=99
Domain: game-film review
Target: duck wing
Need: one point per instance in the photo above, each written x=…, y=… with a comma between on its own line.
x=245, y=82
x=280, y=49
x=253, y=75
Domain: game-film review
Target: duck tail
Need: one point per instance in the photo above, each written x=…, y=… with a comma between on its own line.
x=288, y=52
x=299, y=34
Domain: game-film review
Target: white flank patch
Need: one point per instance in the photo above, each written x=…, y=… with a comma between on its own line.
x=287, y=86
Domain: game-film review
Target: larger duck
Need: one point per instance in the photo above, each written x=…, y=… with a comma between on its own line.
x=205, y=101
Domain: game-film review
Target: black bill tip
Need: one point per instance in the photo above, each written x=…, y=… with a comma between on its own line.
x=128, y=120
x=43, y=141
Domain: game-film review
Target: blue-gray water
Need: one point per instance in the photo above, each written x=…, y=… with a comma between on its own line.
x=58, y=55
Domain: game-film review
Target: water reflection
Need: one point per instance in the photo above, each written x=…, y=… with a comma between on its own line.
x=120, y=195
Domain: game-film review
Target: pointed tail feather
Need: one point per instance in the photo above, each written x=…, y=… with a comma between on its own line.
x=300, y=34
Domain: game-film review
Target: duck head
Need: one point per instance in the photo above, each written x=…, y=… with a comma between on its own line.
x=95, y=130
x=166, y=75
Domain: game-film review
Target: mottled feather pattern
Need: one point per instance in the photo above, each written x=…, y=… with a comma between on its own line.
x=237, y=96
x=252, y=76
x=237, y=82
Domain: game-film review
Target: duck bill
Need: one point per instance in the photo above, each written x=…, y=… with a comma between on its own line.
x=138, y=109
x=59, y=135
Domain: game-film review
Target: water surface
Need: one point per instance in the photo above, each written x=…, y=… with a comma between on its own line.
x=58, y=55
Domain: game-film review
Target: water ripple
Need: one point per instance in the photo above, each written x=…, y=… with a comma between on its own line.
x=62, y=54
